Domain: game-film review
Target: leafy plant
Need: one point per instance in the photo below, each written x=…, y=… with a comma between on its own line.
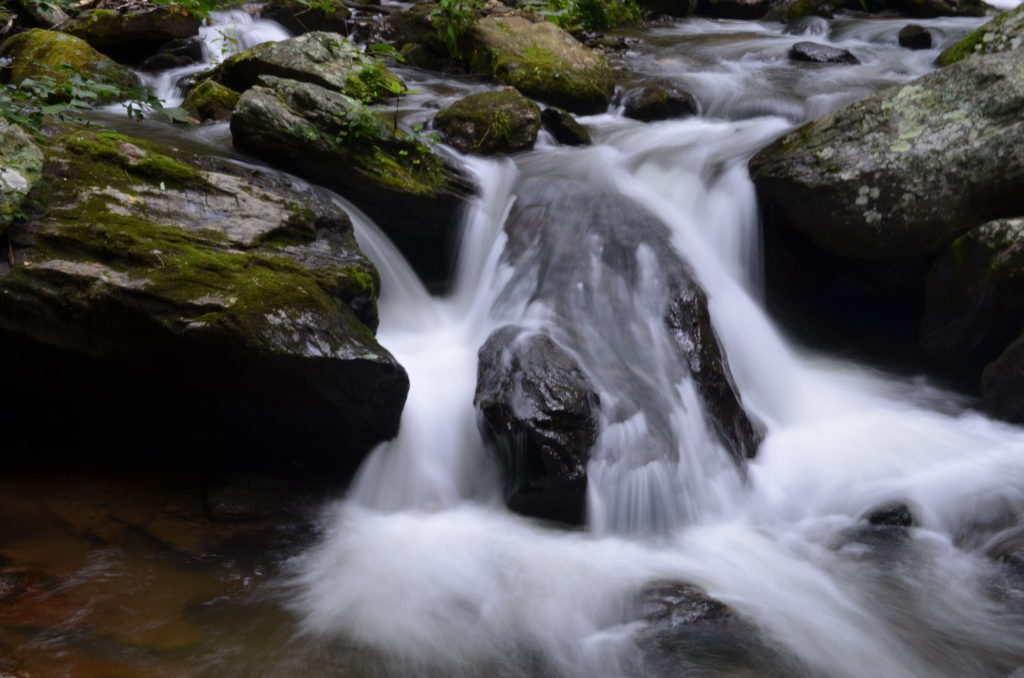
x=589, y=15
x=457, y=16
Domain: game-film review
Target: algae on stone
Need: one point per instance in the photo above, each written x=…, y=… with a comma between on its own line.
x=1004, y=32
x=58, y=56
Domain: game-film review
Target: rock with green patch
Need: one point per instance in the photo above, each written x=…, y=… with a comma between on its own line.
x=324, y=59
x=210, y=100
x=1003, y=33
x=409, y=190
x=37, y=14
x=975, y=295
x=57, y=56
x=133, y=35
x=898, y=175
x=21, y=163
x=564, y=128
x=542, y=61
x=490, y=122
x=302, y=17
x=247, y=299
x=418, y=33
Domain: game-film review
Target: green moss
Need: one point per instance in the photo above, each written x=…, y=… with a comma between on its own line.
x=133, y=157
x=210, y=100
x=406, y=167
x=961, y=50
x=40, y=53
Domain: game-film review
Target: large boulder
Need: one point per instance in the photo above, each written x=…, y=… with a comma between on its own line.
x=542, y=61
x=21, y=164
x=328, y=60
x=1003, y=33
x=216, y=311
x=47, y=54
x=323, y=135
x=302, y=17
x=540, y=412
x=975, y=295
x=598, y=269
x=490, y=122
x=900, y=174
x=135, y=34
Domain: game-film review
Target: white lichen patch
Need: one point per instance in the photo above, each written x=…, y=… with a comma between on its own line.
x=92, y=270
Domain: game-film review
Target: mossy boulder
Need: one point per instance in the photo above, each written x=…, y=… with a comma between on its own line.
x=324, y=59
x=1004, y=32
x=40, y=53
x=300, y=17
x=490, y=122
x=898, y=175
x=210, y=100
x=542, y=61
x=412, y=194
x=202, y=292
x=21, y=163
x=975, y=295
x=133, y=35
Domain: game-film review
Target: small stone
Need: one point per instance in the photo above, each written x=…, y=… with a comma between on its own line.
x=915, y=36
x=564, y=127
x=893, y=515
x=821, y=54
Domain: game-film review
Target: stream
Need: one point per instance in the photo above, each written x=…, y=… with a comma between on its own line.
x=421, y=571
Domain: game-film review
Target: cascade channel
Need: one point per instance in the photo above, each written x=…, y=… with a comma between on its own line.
x=420, y=570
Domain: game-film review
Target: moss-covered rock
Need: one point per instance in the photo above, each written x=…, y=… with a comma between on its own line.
x=975, y=296
x=196, y=272
x=324, y=59
x=490, y=122
x=40, y=53
x=323, y=135
x=1004, y=32
x=21, y=163
x=900, y=174
x=542, y=61
x=133, y=35
x=300, y=17
x=210, y=100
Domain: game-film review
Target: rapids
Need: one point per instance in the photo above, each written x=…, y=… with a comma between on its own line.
x=420, y=570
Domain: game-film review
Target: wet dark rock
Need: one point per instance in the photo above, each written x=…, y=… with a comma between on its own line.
x=974, y=304
x=677, y=8
x=246, y=497
x=1002, y=382
x=893, y=515
x=821, y=54
x=210, y=100
x=327, y=137
x=734, y=9
x=300, y=17
x=689, y=322
x=915, y=36
x=671, y=605
x=490, y=122
x=540, y=413
x=220, y=310
x=658, y=100
x=564, y=127
x=135, y=34
x=175, y=54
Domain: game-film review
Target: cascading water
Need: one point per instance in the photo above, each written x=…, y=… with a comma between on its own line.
x=423, y=570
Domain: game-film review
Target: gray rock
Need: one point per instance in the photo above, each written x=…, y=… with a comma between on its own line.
x=658, y=100
x=821, y=54
x=900, y=174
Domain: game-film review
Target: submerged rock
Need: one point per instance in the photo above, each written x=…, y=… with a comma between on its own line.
x=658, y=100
x=1003, y=33
x=206, y=295
x=542, y=61
x=821, y=54
x=328, y=137
x=490, y=122
x=540, y=413
x=47, y=54
x=133, y=35
x=915, y=36
x=564, y=128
